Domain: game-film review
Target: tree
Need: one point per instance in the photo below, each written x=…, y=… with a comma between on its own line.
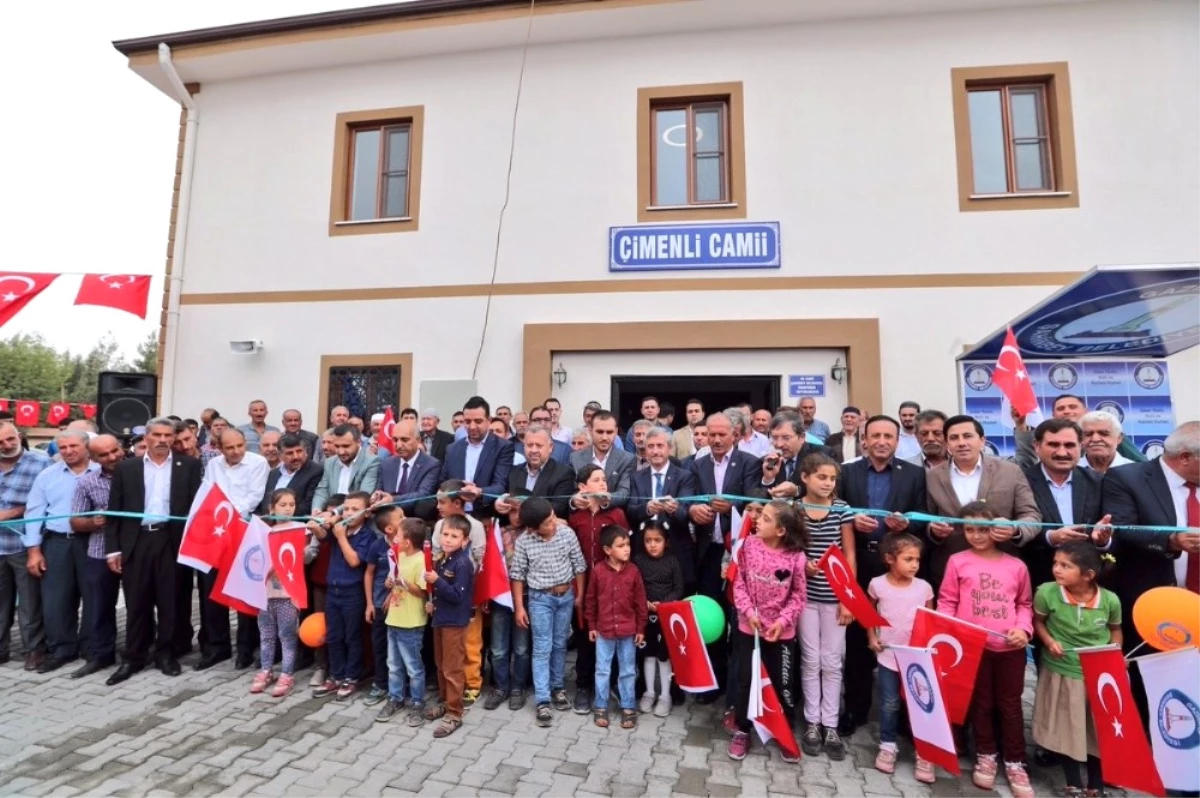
x=147, y=354
x=32, y=369
x=82, y=372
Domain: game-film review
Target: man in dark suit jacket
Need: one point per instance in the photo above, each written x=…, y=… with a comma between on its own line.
x=303, y=475
x=143, y=550
x=879, y=481
x=435, y=440
x=410, y=475
x=551, y=479
x=492, y=457
x=660, y=479
x=618, y=465
x=781, y=472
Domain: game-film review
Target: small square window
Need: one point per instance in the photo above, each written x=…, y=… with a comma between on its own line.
x=377, y=171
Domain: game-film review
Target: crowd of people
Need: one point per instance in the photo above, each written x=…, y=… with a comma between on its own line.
x=597, y=530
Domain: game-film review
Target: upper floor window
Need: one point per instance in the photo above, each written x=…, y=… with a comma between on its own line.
x=1014, y=137
x=691, y=153
x=376, y=171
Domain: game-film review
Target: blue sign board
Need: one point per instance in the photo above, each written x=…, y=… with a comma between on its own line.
x=1137, y=392
x=1141, y=312
x=680, y=247
x=806, y=385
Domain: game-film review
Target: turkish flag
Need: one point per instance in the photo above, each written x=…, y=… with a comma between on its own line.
x=764, y=709
x=28, y=412
x=491, y=583
x=242, y=578
x=210, y=525
x=854, y=598
x=383, y=439
x=17, y=289
x=1125, y=757
x=950, y=637
x=59, y=412
x=286, y=543
x=127, y=292
x=1012, y=378
x=4, y=405
x=429, y=562
x=89, y=411
x=689, y=658
x=743, y=527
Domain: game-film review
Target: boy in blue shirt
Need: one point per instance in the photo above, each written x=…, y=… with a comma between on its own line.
x=387, y=525
x=453, y=580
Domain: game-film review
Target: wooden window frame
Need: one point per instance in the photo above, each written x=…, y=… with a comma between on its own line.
x=652, y=99
x=1055, y=81
x=402, y=361
x=343, y=160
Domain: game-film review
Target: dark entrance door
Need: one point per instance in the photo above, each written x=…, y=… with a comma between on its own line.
x=717, y=393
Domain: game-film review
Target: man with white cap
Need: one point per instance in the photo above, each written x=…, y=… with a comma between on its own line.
x=433, y=439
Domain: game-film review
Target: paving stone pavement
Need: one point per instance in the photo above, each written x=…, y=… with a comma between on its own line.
x=204, y=734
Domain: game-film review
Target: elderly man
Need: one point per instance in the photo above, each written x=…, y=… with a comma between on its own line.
x=813, y=426
x=410, y=476
x=295, y=472
x=1102, y=437
x=156, y=490
x=481, y=460
x=846, y=444
x=618, y=465
x=293, y=423
x=539, y=476
x=682, y=443
x=268, y=447
x=749, y=440
x=559, y=452
x=655, y=492
x=212, y=449
x=352, y=468
x=102, y=585
x=1073, y=408
x=258, y=425
x=434, y=440
x=340, y=414
x=580, y=439
x=18, y=469
x=931, y=434
x=55, y=555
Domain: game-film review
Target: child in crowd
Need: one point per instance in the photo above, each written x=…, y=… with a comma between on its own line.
x=1071, y=612
x=548, y=586
x=896, y=595
x=753, y=511
x=615, y=609
x=662, y=579
x=406, y=618
x=453, y=580
x=281, y=620
x=317, y=555
x=449, y=503
x=510, y=642
x=587, y=522
x=387, y=526
x=823, y=623
x=987, y=587
x=769, y=593
x=346, y=606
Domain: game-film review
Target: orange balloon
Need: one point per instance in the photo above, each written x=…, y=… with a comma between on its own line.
x=312, y=630
x=1168, y=618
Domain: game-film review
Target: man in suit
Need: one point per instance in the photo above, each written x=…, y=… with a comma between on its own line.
x=878, y=481
x=560, y=452
x=142, y=550
x=293, y=422
x=540, y=476
x=654, y=494
x=683, y=443
x=846, y=444
x=434, y=440
x=700, y=441
x=410, y=475
x=481, y=460
x=781, y=465
x=967, y=477
x=296, y=472
x=618, y=465
x=352, y=468
x=931, y=434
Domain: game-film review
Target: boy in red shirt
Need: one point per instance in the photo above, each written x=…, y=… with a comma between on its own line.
x=615, y=608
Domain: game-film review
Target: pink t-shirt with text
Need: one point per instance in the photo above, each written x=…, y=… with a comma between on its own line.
x=995, y=594
x=898, y=605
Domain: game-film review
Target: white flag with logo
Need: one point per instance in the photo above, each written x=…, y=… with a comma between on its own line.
x=246, y=577
x=922, y=687
x=1172, y=688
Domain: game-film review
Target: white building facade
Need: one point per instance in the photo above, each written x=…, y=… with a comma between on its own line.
x=924, y=170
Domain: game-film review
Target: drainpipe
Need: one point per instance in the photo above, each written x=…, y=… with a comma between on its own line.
x=179, y=260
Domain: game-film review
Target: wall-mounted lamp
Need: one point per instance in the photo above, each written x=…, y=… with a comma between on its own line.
x=560, y=376
x=247, y=347
x=839, y=372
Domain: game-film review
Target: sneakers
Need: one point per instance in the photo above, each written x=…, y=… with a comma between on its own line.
x=663, y=707
x=835, y=749
x=388, y=711
x=283, y=686
x=885, y=761
x=790, y=758
x=376, y=695
x=984, y=774
x=495, y=699
x=416, y=715
x=739, y=746
x=583, y=702
x=559, y=700
x=730, y=722
x=325, y=689
x=544, y=716
x=346, y=689
x=924, y=771
x=646, y=704
x=470, y=697
x=1018, y=780
x=516, y=701
x=261, y=680
x=812, y=741
x=318, y=678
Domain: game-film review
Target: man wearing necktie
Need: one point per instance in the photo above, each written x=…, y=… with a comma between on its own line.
x=655, y=493
x=410, y=475
x=780, y=468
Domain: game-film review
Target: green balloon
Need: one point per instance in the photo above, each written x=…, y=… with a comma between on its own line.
x=709, y=617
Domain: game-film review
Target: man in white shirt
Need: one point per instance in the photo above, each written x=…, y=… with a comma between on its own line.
x=750, y=440
x=1102, y=436
x=910, y=445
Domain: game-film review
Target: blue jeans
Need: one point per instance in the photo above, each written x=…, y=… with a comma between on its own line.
x=889, y=704
x=626, y=653
x=509, y=641
x=405, y=666
x=550, y=625
x=345, y=614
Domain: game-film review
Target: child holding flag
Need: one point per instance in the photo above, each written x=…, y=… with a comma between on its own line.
x=406, y=619
x=662, y=579
x=769, y=592
x=510, y=642
x=281, y=620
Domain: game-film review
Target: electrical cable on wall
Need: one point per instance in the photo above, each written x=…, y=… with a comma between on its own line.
x=512, y=147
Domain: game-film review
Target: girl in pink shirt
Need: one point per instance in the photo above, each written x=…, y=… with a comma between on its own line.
x=769, y=594
x=989, y=588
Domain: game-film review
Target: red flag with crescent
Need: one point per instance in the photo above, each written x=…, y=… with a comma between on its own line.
x=957, y=651
x=127, y=292
x=17, y=289
x=59, y=413
x=383, y=439
x=286, y=543
x=1011, y=377
x=685, y=645
x=837, y=571
x=1125, y=756
x=211, y=524
x=28, y=412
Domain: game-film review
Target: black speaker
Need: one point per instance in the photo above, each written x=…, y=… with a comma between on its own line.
x=124, y=401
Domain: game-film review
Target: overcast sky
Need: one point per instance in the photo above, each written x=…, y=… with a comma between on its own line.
x=89, y=152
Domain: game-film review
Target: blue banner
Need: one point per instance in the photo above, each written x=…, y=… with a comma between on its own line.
x=806, y=385
x=1137, y=392
x=680, y=247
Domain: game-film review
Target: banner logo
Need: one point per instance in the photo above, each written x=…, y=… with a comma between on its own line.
x=979, y=378
x=254, y=563
x=1179, y=720
x=919, y=686
x=1148, y=375
x=1063, y=376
